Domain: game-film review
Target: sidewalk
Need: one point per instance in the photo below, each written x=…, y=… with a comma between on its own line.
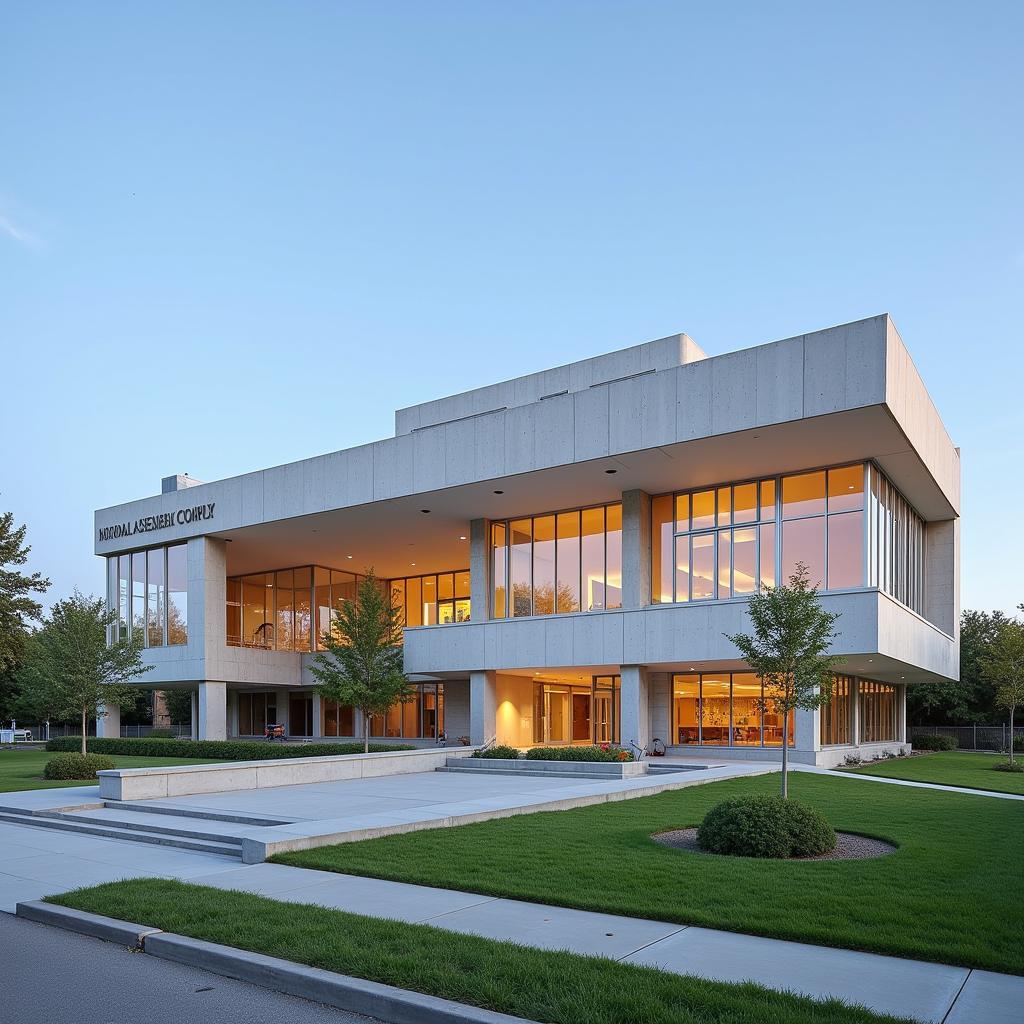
x=907, y=988
x=814, y=770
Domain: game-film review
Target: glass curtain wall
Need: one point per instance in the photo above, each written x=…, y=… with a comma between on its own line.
x=837, y=714
x=286, y=610
x=255, y=712
x=728, y=541
x=433, y=599
x=420, y=718
x=877, y=711
x=724, y=709
x=148, y=591
x=557, y=563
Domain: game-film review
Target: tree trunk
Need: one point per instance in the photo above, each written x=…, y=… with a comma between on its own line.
x=366, y=733
x=85, y=726
x=1011, y=735
x=785, y=755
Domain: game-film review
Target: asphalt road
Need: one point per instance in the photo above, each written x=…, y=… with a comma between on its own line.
x=49, y=976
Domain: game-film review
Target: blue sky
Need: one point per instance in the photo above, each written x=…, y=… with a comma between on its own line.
x=237, y=234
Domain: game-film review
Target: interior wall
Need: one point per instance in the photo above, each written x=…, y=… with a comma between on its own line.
x=515, y=710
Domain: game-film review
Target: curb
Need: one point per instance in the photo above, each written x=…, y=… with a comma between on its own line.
x=385, y=1002
x=108, y=928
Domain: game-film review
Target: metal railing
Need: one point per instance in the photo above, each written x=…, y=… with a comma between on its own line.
x=971, y=737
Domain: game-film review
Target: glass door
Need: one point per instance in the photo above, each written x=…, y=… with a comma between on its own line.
x=580, y=716
x=557, y=716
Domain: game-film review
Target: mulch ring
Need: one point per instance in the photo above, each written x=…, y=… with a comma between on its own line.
x=848, y=845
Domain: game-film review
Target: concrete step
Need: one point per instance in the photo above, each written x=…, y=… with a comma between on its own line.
x=147, y=807
x=215, y=831
x=113, y=832
x=540, y=773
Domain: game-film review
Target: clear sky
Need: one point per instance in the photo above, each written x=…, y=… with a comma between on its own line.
x=237, y=234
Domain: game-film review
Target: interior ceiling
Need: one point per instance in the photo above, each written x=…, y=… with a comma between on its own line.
x=391, y=535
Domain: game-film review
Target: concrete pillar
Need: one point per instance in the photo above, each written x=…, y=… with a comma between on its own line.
x=108, y=725
x=213, y=707
x=483, y=707
x=942, y=575
x=318, y=721
x=194, y=717
x=635, y=725
x=283, y=710
x=479, y=570
x=636, y=549
x=807, y=729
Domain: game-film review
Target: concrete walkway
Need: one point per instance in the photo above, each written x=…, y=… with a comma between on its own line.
x=814, y=770
x=35, y=862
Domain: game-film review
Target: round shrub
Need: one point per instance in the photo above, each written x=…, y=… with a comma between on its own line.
x=77, y=766
x=927, y=742
x=1006, y=766
x=500, y=750
x=809, y=832
x=765, y=826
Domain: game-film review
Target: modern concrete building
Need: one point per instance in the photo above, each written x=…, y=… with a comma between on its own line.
x=571, y=548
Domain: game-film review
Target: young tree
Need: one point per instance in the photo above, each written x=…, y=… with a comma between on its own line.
x=179, y=705
x=361, y=664
x=792, y=634
x=1005, y=667
x=78, y=665
x=17, y=606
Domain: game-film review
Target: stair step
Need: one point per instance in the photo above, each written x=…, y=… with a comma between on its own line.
x=534, y=772
x=145, y=807
x=112, y=821
x=131, y=835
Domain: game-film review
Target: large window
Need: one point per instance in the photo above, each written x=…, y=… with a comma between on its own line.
x=419, y=718
x=725, y=709
x=148, y=591
x=837, y=714
x=895, y=543
x=286, y=610
x=557, y=563
x=255, y=712
x=877, y=711
x=731, y=540
x=435, y=599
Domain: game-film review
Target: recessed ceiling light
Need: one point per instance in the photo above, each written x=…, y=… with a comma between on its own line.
x=461, y=537
x=412, y=563
x=611, y=471
x=348, y=556
x=425, y=511
x=499, y=492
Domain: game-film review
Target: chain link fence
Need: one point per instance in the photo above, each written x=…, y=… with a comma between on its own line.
x=972, y=737
x=53, y=731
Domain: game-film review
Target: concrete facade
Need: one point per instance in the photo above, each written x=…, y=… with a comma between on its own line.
x=619, y=428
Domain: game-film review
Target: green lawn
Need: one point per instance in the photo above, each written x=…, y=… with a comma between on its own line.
x=953, y=892
x=950, y=768
x=23, y=769
x=563, y=988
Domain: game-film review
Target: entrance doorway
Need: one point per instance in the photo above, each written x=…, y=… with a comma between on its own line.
x=567, y=713
x=300, y=714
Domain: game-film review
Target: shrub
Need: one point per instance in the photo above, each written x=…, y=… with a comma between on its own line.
x=220, y=750
x=588, y=753
x=1018, y=743
x=765, y=826
x=161, y=734
x=1005, y=766
x=500, y=750
x=77, y=766
x=934, y=743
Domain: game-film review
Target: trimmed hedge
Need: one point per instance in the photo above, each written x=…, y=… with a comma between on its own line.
x=223, y=750
x=589, y=753
x=161, y=734
x=77, y=766
x=765, y=826
x=501, y=750
x=934, y=743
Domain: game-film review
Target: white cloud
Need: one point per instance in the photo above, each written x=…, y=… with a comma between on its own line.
x=19, y=234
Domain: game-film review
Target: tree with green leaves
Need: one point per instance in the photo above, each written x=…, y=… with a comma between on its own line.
x=1005, y=667
x=17, y=606
x=789, y=647
x=73, y=659
x=179, y=704
x=361, y=663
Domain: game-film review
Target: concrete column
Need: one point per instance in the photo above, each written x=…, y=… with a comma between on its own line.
x=483, y=707
x=194, y=717
x=807, y=729
x=283, y=710
x=318, y=722
x=636, y=549
x=479, y=570
x=108, y=725
x=901, y=713
x=635, y=724
x=213, y=707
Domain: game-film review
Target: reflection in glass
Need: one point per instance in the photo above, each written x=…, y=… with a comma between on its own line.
x=156, y=596
x=744, y=558
x=543, y=565
x=613, y=549
x=803, y=540
x=846, y=550
x=568, y=558
x=702, y=562
x=661, y=553
x=592, y=556
x=803, y=495
x=846, y=489
x=520, y=566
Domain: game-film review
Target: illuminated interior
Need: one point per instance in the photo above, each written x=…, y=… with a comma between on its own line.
x=725, y=709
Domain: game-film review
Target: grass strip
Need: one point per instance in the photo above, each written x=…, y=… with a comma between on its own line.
x=562, y=988
x=966, y=769
x=953, y=892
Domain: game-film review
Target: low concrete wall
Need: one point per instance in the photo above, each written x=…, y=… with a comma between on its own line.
x=613, y=769
x=182, y=780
